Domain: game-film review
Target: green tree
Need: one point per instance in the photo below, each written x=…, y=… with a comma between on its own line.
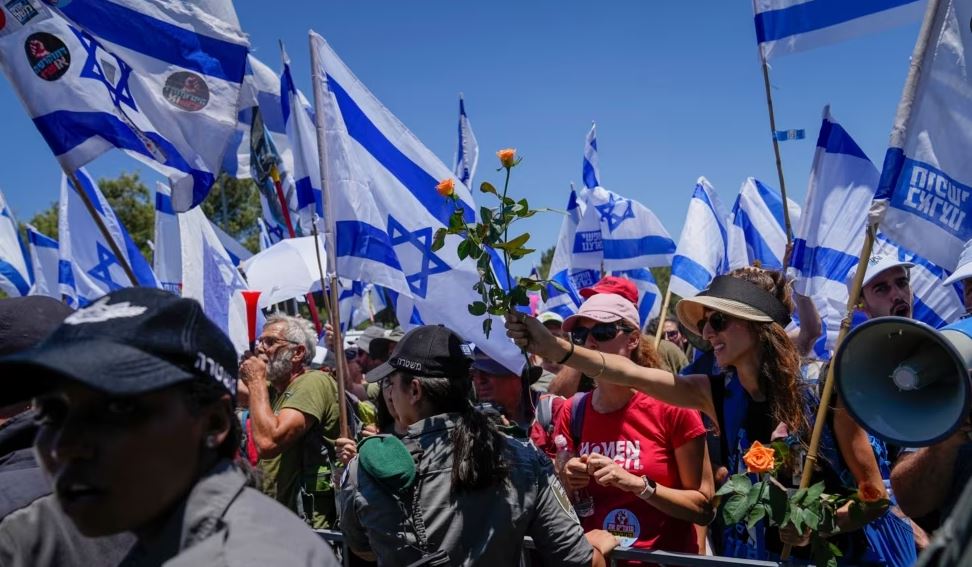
x=546, y=257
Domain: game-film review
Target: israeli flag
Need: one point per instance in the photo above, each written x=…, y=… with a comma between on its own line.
x=925, y=192
x=159, y=79
x=703, y=248
x=209, y=277
x=591, y=171
x=265, y=241
x=649, y=296
x=45, y=259
x=272, y=179
x=620, y=234
x=789, y=26
x=381, y=191
x=566, y=303
x=303, y=140
x=828, y=239
x=358, y=302
x=467, y=154
x=15, y=269
x=758, y=229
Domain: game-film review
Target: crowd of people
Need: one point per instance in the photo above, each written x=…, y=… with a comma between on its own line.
x=133, y=434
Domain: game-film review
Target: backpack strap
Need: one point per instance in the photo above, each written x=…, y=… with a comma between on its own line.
x=545, y=412
x=578, y=405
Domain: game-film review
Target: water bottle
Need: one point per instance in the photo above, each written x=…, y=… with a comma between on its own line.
x=583, y=503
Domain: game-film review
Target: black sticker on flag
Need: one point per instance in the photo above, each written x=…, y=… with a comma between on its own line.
x=186, y=90
x=49, y=58
x=23, y=10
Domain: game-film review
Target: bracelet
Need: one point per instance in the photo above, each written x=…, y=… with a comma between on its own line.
x=649, y=489
x=603, y=365
x=569, y=354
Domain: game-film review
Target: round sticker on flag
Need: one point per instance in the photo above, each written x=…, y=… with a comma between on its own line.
x=186, y=90
x=624, y=525
x=3, y=20
x=49, y=58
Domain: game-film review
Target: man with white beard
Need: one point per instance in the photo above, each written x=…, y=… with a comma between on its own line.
x=293, y=423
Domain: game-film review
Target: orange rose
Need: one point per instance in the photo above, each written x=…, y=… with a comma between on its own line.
x=446, y=187
x=760, y=459
x=507, y=157
x=867, y=492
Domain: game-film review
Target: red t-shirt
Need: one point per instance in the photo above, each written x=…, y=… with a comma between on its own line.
x=642, y=438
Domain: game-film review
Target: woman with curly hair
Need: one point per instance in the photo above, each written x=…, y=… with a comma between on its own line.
x=757, y=397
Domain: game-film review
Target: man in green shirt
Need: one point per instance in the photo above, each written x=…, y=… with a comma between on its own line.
x=294, y=424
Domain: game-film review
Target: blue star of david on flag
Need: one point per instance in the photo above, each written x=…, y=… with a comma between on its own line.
x=117, y=86
x=608, y=215
x=102, y=270
x=430, y=264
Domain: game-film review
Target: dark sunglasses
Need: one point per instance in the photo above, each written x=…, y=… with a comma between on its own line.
x=601, y=332
x=717, y=320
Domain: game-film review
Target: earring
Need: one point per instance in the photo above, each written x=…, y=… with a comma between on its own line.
x=211, y=441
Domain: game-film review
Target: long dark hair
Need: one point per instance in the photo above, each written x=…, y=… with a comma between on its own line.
x=478, y=459
x=779, y=362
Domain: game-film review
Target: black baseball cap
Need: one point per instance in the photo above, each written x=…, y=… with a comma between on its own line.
x=433, y=351
x=131, y=341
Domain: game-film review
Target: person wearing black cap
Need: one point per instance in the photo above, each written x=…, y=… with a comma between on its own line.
x=454, y=490
x=137, y=430
x=743, y=315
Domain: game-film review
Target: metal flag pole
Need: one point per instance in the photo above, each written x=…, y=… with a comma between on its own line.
x=661, y=317
x=318, y=78
x=898, y=132
x=776, y=147
x=93, y=212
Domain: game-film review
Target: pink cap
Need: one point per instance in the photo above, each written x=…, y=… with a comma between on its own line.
x=604, y=308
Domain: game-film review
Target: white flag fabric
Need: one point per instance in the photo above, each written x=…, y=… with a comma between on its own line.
x=306, y=170
x=96, y=270
x=703, y=247
x=45, y=260
x=359, y=302
x=467, y=154
x=757, y=230
x=828, y=239
x=157, y=78
x=209, y=277
x=381, y=190
x=926, y=183
x=619, y=234
x=591, y=171
x=15, y=270
x=167, y=258
x=566, y=303
x=788, y=26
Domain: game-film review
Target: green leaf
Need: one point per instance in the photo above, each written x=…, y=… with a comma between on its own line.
x=799, y=496
x=796, y=518
x=777, y=503
x=755, y=515
x=738, y=483
x=487, y=187
x=514, y=244
x=734, y=509
x=557, y=286
x=544, y=294
x=456, y=222
x=814, y=492
x=438, y=241
x=487, y=326
x=486, y=214
x=463, y=249
x=477, y=308
x=812, y=520
x=519, y=296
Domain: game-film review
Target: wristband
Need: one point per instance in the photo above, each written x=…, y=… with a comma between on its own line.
x=649, y=489
x=568, y=355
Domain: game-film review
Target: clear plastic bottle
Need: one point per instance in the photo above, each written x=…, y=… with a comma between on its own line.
x=583, y=503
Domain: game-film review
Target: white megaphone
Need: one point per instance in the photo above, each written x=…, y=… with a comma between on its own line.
x=905, y=382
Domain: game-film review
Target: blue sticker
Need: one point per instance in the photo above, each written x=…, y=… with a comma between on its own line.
x=624, y=525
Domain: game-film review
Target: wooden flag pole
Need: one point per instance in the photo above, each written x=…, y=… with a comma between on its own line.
x=93, y=212
x=318, y=79
x=663, y=316
x=776, y=148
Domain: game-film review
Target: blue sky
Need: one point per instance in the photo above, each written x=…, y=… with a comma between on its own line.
x=675, y=88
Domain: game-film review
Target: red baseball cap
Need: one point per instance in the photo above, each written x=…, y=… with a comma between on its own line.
x=613, y=284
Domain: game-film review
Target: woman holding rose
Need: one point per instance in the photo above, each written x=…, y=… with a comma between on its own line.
x=758, y=398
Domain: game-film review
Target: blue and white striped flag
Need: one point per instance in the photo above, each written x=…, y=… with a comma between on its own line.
x=757, y=230
x=649, y=296
x=926, y=184
x=359, y=302
x=159, y=79
x=620, y=234
x=467, y=153
x=566, y=303
x=703, y=248
x=15, y=271
x=94, y=268
x=303, y=140
x=591, y=172
x=828, y=239
x=46, y=262
x=381, y=191
x=788, y=26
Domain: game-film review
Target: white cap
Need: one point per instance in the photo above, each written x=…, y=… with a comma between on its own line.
x=876, y=264
x=964, y=269
x=550, y=317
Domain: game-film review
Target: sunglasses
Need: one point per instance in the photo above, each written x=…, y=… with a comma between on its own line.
x=718, y=321
x=601, y=332
x=671, y=334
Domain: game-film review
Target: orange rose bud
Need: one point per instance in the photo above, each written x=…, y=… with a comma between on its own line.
x=446, y=187
x=867, y=492
x=759, y=458
x=507, y=157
